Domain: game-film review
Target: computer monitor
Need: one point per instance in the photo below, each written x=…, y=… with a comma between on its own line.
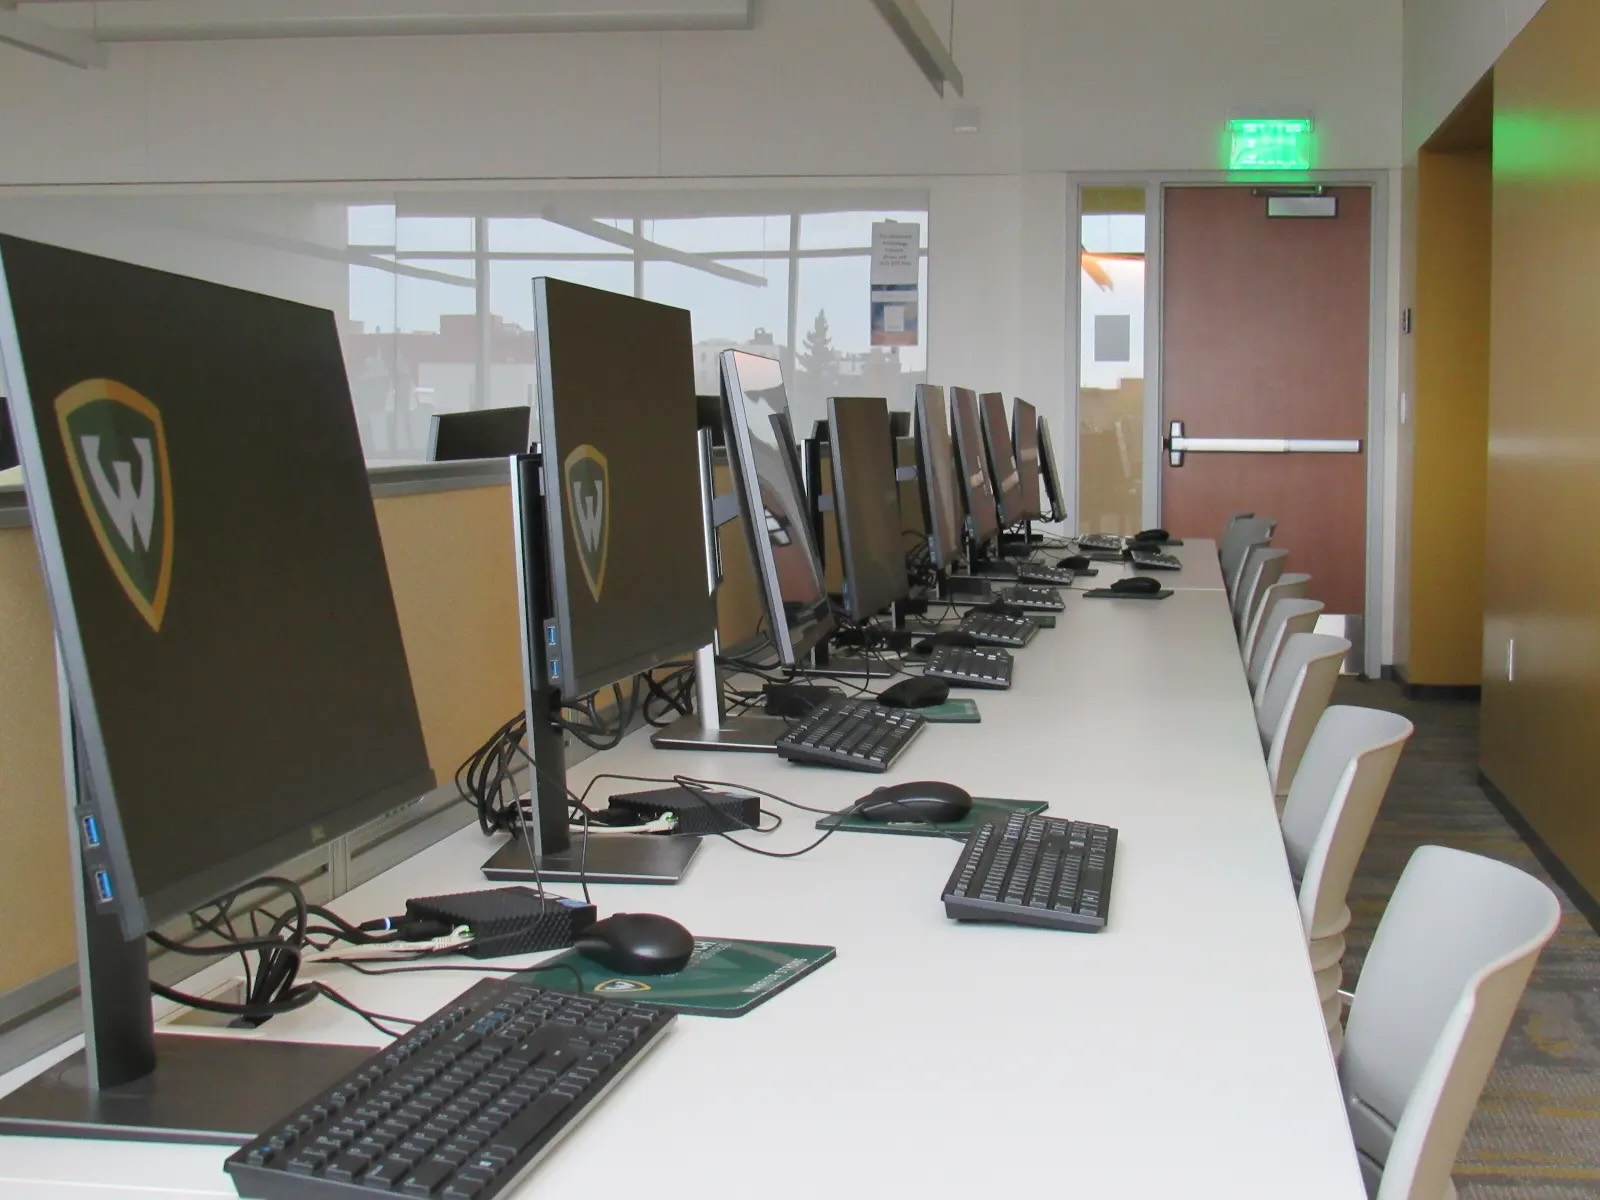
x=1025, y=441
x=238, y=684
x=867, y=501
x=1002, y=459
x=983, y=523
x=936, y=470
x=8, y=441
x=478, y=433
x=610, y=527
x=772, y=500
x=900, y=423
x=1047, y=471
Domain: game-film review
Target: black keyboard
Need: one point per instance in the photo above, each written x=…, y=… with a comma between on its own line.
x=1035, y=871
x=1102, y=541
x=971, y=668
x=996, y=629
x=858, y=735
x=1040, y=599
x=461, y=1107
x=1031, y=572
x=1154, y=560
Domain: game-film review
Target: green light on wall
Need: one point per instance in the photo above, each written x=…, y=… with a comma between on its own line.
x=1268, y=144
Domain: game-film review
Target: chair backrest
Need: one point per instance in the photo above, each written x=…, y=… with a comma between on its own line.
x=1332, y=803
x=1296, y=694
x=1439, y=988
x=1294, y=585
x=1263, y=567
x=1286, y=618
x=1241, y=535
x=1232, y=521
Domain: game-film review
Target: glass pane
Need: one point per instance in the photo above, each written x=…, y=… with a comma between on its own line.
x=1111, y=361
x=725, y=314
x=370, y=224
x=433, y=233
x=716, y=235
x=511, y=340
x=537, y=236
x=851, y=230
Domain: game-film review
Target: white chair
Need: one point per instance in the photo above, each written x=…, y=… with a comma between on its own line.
x=1232, y=521
x=1329, y=813
x=1263, y=567
x=1439, y=988
x=1241, y=535
x=1297, y=691
x=1291, y=586
x=1287, y=618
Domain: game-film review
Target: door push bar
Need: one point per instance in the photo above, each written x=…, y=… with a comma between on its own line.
x=1178, y=445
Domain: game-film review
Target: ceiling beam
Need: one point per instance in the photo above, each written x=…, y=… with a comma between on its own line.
x=621, y=237
x=922, y=42
x=49, y=41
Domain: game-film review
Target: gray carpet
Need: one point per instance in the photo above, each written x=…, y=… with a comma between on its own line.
x=1536, y=1135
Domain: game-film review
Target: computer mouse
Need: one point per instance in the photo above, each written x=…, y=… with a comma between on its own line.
x=1075, y=562
x=916, y=800
x=1138, y=585
x=947, y=637
x=1152, y=535
x=637, y=944
x=915, y=692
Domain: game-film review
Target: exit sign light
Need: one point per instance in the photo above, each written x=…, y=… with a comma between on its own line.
x=1266, y=144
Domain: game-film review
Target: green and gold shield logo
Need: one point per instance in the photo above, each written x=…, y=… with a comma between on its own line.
x=619, y=987
x=589, y=512
x=117, y=449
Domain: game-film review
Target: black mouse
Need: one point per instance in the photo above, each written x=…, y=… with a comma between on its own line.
x=637, y=944
x=947, y=637
x=1152, y=535
x=1138, y=585
x=915, y=692
x=917, y=800
x=1075, y=562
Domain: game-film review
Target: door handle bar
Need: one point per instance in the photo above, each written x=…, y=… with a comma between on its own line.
x=1177, y=445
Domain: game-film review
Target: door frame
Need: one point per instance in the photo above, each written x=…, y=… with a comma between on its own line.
x=1155, y=185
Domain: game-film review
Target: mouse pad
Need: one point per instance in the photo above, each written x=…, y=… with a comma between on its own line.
x=952, y=712
x=726, y=977
x=984, y=808
x=1108, y=594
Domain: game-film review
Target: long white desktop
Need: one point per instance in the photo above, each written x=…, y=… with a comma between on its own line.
x=1180, y=1053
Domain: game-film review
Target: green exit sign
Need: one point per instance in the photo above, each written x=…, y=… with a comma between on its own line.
x=1270, y=144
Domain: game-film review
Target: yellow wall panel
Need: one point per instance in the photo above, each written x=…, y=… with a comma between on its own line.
x=1542, y=581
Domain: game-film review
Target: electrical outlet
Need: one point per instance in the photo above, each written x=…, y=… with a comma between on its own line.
x=1511, y=660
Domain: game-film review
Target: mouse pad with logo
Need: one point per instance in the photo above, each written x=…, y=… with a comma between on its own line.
x=984, y=808
x=958, y=712
x=726, y=977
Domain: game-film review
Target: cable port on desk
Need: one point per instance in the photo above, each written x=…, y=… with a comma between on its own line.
x=102, y=886
x=91, y=831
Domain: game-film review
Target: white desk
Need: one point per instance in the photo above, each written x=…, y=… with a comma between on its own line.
x=1181, y=1053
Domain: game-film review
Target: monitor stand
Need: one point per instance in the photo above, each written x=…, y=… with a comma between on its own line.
x=849, y=666
x=599, y=858
x=709, y=728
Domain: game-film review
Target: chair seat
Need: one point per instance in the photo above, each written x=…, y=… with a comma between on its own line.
x=1326, y=952
x=1332, y=926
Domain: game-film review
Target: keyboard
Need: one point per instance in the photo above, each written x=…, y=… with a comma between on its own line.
x=858, y=735
x=1042, y=599
x=971, y=668
x=994, y=629
x=1035, y=871
x=1031, y=572
x=1154, y=560
x=459, y=1108
x=1102, y=541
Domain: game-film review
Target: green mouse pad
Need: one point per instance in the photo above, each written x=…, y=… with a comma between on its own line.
x=1108, y=594
x=953, y=712
x=725, y=977
x=984, y=808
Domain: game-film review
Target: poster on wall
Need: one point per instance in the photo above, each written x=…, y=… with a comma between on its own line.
x=896, y=259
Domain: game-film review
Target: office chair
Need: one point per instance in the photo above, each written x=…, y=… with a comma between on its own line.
x=1439, y=988
x=1236, y=544
x=1263, y=567
x=1292, y=586
x=1296, y=694
x=1326, y=820
x=1287, y=618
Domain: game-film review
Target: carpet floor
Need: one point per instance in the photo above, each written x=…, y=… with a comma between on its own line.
x=1536, y=1135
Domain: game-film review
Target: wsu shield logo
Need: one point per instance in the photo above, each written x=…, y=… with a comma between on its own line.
x=589, y=512
x=117, y=449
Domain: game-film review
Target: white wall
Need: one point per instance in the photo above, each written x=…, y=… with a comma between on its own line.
x=1449, y=45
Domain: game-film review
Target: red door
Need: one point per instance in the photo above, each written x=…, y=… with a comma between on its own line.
x=1265, y=340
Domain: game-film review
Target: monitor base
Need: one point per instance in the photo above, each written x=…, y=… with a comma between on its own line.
x=751, y=734
x=609, y=858
x=967, y=589
x=205, y=1090
x=851, y=667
